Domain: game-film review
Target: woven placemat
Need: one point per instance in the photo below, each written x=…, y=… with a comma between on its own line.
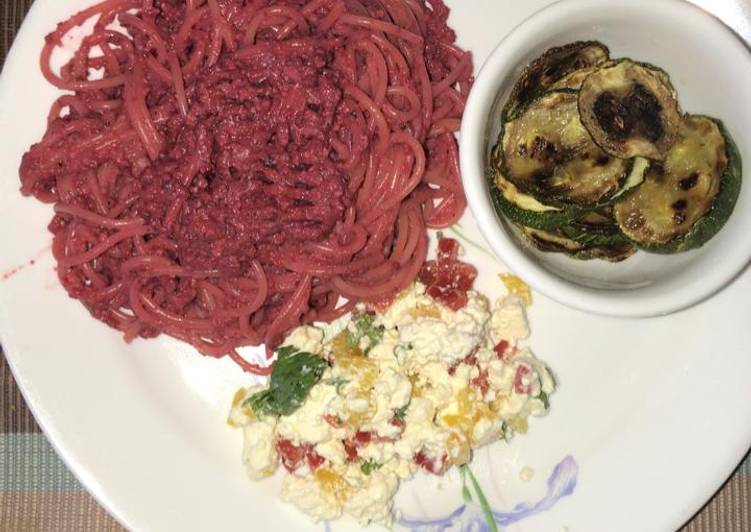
x=39, y=494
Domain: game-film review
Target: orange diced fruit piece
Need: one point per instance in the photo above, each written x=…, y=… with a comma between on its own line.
x=516, y=286
x=332, y=482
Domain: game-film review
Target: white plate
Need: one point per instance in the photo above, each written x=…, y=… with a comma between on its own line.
x=651, y=415
x=701, y=54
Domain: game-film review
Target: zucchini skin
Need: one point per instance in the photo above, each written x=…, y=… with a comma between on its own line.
x=566, y=221
x=561, y=217
x=547, y=220
x=558, y=242
x=660, y=72
x=669, y=113
x=724, y=203
x=533, y=81
x=559, y=200
x=594, y=237
x=614, y=253
x=564, y=218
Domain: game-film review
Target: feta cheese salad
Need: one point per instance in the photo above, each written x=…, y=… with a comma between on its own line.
x=354, y=407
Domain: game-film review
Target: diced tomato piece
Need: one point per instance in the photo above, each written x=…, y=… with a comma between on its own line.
x=397, y=423
x=314, y=459
x=505, y=352
x=431, y=465
x=448, y=249
x=381, y=305
x=481, y=381
x=291, y=454
x=447, y=278
x=362, y=438
x=519, y=386
x=351, y=451
x=427, y=273
x=470, y=360
x=501, y=348
x=451, y=297
x=464, y=275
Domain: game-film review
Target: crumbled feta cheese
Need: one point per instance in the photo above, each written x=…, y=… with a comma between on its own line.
x=430, y=390
x=259, y=454
x=485, y=431
x=306, y=338
x=333, y=451
x=508, y=320
x=449, y=337
x=306, y=423
x=373, y=500
x=392, y=390
x=310, y=497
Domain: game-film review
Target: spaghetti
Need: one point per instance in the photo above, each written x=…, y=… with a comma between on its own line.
x=225, y=170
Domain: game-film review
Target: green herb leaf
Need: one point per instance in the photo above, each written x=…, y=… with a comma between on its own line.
x=295, y=373
x=365, y=328
x=368, y=466
x=400, y=413
x=544, y=398
x=338, y=382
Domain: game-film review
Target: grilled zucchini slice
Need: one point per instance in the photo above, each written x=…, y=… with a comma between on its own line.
x=526, y=210
x=574, y=80
x=547, y=152
x=614, y=253
x=551, y=66
x=595, y=228
x=686, y=200
x=630, y=110
x=557, y=242
x=550, y=241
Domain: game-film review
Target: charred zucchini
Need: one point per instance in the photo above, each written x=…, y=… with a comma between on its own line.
x=547, y=152
x=558, y=242
x=572, y=167
x=630, y=110
x=554, y=64
x=574, y=80
x=550, y=241
x=614, y=253
x=526, y=210
x=686, y=200
x=595, y=228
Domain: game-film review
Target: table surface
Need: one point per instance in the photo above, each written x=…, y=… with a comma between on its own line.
x=38, y=493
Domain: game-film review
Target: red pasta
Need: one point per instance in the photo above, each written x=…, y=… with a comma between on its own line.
x=225, y=170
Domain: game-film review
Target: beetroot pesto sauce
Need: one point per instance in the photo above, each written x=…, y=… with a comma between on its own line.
x=242, y=166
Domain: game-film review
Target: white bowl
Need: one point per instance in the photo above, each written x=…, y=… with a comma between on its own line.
x=711, y=69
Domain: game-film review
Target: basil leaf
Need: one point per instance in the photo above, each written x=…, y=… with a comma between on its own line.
x=369, y=466
x=295, y=373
